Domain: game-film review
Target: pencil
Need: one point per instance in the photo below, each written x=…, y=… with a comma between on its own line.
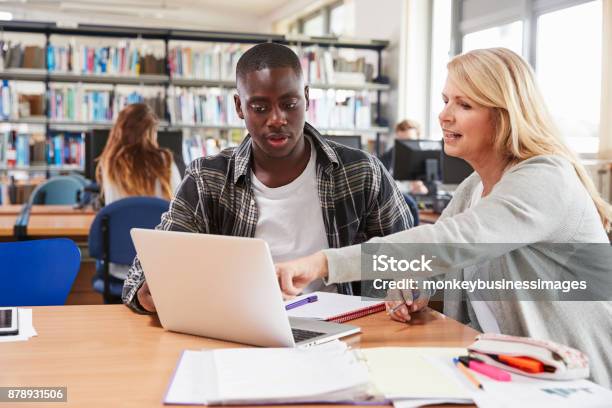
x=467, y=374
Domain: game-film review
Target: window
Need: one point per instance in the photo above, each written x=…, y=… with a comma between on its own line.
x=337, y=20
x=568, y=67
x=315, y=25
x=331, y=19
x=563, y=42
x=440, y=53
x=509, y=36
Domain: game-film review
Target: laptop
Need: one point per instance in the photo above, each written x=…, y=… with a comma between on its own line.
x=225, y=288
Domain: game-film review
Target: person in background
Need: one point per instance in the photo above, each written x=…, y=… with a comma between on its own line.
x=529, y=195
x=133, y=164
x=407, y=129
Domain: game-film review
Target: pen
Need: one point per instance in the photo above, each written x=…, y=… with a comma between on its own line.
x=391, y=311
x=485, y=369
x=415, y=297
x=306, y=300
x=467, y=373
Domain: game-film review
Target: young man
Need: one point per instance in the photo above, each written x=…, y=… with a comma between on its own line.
x=284, y=183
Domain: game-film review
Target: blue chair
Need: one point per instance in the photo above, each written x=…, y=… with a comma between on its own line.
x=414, y=208
x=59, y=190
x=110, y=240
x=37, y=273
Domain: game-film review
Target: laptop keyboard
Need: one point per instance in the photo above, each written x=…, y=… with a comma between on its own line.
x=301, y=335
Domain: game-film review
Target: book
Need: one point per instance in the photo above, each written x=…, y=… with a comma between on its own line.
x=334, y=307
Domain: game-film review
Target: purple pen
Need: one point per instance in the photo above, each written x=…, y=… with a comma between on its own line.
x=306, y=300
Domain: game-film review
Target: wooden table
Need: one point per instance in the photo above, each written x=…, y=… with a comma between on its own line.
x=47, y=221
x=75, y=225
x=7, y=222
x=15, y=209
x=10, y=209
x=109, y=356
x=428, y=216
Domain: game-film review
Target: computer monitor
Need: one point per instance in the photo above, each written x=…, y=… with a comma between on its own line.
x=417, y=160
x=454, y=169
x=96, y=140
x=353, y=141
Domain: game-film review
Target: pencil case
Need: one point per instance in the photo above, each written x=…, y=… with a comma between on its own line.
x=531, y=357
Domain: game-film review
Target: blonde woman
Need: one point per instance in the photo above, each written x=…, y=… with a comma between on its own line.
x=528, y=190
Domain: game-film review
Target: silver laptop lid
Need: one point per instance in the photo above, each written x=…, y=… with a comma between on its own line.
x=214, y=286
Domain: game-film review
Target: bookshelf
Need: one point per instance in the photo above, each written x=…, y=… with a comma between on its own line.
x=113, y=66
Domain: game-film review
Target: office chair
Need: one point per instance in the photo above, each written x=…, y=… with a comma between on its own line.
x=414, y=208
x=37, y=273
x=57, y=191
x=110, y=240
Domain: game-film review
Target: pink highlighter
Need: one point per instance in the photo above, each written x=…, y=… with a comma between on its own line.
x=485, y=369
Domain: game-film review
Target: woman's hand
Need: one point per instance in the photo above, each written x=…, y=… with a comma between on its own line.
x=412, y=301
x=294, y=276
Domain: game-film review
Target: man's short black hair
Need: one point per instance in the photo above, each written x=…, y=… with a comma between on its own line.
x=268, y=55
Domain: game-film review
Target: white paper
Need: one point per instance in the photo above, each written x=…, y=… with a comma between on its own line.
x=329, y=372
x=329, y=305
x=186, y=386
x=524, y=392
x=528, y=392
x=415, y=403
x=26, y=329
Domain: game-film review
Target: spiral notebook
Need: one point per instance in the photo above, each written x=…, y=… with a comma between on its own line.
x=334, y=307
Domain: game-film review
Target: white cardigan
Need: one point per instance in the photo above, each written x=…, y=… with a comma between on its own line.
x=538, y=201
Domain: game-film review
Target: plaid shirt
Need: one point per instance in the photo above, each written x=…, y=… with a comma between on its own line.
x=359, y=199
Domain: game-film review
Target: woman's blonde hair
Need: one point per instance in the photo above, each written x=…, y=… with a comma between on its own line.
x=132, y=158
x=500, y=79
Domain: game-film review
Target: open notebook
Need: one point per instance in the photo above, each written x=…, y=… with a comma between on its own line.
x=334, y=307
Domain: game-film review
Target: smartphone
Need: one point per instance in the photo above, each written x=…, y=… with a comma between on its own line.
x=9, y=321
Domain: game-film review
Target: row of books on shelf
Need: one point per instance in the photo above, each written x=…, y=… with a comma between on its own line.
x=124, y=59
x=80, y=104
x=16, y=55
x=196, y=146
x=16, y=105
x=326, y=66
x=214, y=106
x=215, y=62
x=320, y=65
x=77, y=103
x=210, y=106
x=19, y=149
x=340, y=109
x=202, y=106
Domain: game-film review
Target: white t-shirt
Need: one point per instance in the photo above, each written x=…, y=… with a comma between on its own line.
x=112, y=193
x=290, y=218
x=485, y=317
